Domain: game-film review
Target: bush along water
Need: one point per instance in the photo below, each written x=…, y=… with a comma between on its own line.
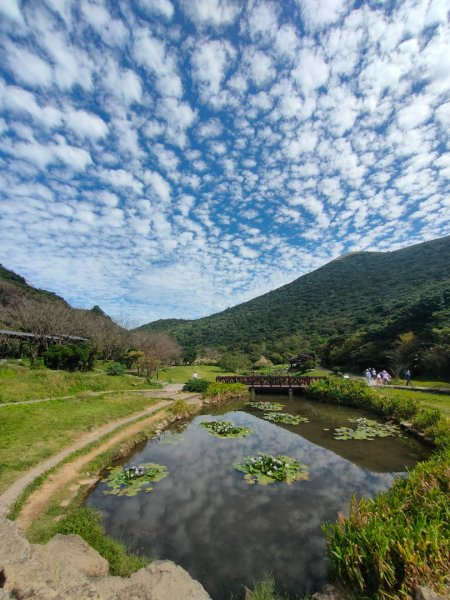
x=196, y=385
x=388, y=545
x=218, y=392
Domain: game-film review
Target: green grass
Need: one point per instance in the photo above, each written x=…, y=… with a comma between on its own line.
x=182, y=374
x=85, y=522
x=427, y=382
x=427, y=399
x=19, y=383
x=33, y=432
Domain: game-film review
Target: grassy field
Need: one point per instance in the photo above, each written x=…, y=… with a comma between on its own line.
x=428, y=399
x=182, y=374
x=425, y=382
x=19, y=382
x=30, y=433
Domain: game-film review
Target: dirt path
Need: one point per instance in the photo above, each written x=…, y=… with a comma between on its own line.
x=39, y=500
x=10, y=496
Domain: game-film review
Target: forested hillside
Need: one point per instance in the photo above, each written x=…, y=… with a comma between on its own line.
x=350, y=311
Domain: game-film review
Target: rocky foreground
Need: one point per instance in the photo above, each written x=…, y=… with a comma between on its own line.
x=67, y=568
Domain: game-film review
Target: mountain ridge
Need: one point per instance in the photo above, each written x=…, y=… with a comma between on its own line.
x=355, y=290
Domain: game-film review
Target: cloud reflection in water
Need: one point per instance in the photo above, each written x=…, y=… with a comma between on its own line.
x=206, y=518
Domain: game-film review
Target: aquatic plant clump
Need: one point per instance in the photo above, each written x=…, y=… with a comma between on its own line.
x=366, y=429
x=225, y=429
x=265, y=469
x=285, y=418
x=266, y=405
x=128, y=481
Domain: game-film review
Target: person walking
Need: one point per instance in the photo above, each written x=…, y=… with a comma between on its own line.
x=407, y=377
x=368, y=374
x=386, y=377
x=379, y=379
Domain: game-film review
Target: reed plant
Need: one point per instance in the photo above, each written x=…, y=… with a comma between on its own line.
x=388, y=545
x=218, y=392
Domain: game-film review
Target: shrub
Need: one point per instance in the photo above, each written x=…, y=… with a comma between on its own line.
x=426, y=418
x=196, y=385
x=115, y=368
x=225, y=391
x=180, y=408
x=69, y=358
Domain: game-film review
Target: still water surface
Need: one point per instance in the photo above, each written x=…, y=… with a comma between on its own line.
x=226, y=533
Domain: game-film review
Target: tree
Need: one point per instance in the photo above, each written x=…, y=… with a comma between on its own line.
x=235, y=362
x=404, y=354
x=147, y=365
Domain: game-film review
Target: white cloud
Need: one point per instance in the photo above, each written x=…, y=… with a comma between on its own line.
x=260, y=67
x=159, y=185
x=443, y=114
x=211, y=12
x=159, y=7
x=312, y=71
x=414, y=114
x=318, y=15
x=27, y=67
x=86, y=125
x=11, y=10
x=152, y=53
x=263, y=20
x=210, y=62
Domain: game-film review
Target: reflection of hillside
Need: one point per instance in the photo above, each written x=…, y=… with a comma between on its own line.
x=382, y=455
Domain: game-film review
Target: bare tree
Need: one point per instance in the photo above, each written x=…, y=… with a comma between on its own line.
x=155, y=344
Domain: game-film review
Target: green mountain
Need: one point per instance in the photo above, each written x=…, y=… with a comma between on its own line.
x=353, y=294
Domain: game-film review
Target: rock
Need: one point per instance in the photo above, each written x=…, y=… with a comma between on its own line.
x=329, y=592
x=67, y=568
x=423, y=593
x=160, y=580
x=246, y=593
x=84, y=558
x=13, y=546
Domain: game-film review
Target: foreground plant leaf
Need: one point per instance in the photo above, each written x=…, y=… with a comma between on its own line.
x=285, y=418
x=265, y=468
x=225, y=429
x=128, y=481
x=266, y=405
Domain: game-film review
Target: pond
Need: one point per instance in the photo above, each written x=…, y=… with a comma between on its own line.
x=205, y=517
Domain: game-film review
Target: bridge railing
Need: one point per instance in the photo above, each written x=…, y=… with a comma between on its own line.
x=269, y=380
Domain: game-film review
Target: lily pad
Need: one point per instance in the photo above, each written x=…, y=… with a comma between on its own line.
x=285, y=418
x=225, y=429
x=265, y=469
x=266, y=405
x=366, y=429
x=128, y=481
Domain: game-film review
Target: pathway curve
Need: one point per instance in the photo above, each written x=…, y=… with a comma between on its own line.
x=10, y=496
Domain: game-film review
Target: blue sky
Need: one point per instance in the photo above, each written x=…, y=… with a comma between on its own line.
x=170, y=158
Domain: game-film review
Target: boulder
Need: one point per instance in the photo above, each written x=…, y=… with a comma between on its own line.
x=329, y=592
x=84, y=558
x=423, y=593
x=13, y=546
x=67, y=568
x=160, y=580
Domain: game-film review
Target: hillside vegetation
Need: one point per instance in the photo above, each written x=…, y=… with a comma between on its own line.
x=350, y=311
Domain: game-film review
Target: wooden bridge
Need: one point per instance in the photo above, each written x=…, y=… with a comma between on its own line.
x=269, y=382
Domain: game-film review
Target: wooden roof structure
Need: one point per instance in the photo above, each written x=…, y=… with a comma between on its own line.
x=24, y=336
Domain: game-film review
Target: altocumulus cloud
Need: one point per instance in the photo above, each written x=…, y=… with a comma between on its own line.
x=169, y=158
